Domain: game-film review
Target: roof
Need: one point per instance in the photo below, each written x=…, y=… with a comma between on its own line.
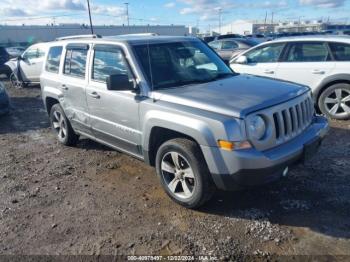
x=335, y=38
x=131, y=39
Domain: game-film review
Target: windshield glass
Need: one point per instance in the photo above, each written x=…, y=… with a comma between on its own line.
x=180, y=63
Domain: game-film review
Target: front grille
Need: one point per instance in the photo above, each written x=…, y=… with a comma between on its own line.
x=293, y=120
x=284, y=121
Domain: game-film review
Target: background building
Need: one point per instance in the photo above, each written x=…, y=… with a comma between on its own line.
x=24, y=35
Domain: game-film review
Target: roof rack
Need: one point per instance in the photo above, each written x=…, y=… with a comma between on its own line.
x=77, y=37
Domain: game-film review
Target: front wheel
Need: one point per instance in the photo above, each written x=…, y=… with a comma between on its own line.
x=61, y=126
x=183, y=173
x=334, y=102
x=15, y=82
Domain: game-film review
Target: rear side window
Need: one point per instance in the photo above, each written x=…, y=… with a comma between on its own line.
x=341, y=52
x=265, y=54
x=215, y=44
x=53, y=59
x=308, y=52
x=75, y=62
x=228, y=45
x=108, y=61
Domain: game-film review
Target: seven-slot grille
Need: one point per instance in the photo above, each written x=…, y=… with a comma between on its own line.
x=291, y=121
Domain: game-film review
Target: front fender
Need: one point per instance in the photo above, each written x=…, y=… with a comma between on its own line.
x=194, y=128
x=12, y=65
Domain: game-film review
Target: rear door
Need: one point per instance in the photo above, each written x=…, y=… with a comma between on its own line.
x=306, y=63
x=261, y=61
x=114, y=114
x=73, y=82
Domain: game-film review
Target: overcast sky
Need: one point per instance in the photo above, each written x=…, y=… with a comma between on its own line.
x=205, y=13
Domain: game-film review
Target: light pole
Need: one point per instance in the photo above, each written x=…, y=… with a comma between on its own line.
x=127, y=13
x=220, y=11
x=91, y=27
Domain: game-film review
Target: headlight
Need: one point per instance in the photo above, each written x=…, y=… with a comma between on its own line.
x=257, y=127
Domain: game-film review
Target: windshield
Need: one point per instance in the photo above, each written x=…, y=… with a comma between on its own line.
x=180, y=63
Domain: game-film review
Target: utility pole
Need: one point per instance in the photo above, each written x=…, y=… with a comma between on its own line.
x=127, y=13
x=220, y=11
x=272, y=26
x=91, y=27
x=265, y=23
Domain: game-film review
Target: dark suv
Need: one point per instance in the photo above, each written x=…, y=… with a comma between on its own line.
x=4, y=57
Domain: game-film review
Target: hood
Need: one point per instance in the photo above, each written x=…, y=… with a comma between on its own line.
x=235, y=96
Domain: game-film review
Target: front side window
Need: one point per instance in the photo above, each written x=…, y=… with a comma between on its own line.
x=75, y=62
x=228, y=45
x=53, y=59
x=308, y=52
x=265, y=54
x=341, y=52
x=31, y=53
x=108, y=61
x=180, y=63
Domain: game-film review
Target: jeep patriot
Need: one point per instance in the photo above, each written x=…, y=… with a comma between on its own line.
x=173, y=103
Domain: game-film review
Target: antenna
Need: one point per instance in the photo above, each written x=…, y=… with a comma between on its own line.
x=91, y=27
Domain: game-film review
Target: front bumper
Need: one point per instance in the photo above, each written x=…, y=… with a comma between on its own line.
x=234, y=169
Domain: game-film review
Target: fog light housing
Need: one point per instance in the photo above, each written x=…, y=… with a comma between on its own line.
x=230, y=145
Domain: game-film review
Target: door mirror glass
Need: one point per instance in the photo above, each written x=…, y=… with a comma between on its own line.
x=242, y=60
x=119, y=82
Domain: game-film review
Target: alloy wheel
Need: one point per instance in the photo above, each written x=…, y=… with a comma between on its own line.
x=337, y=103
x=59, y=124
x=178, y=175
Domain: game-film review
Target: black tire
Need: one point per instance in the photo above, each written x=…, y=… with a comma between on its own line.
x=330, y=93
x=203, y=186
x=67, y=137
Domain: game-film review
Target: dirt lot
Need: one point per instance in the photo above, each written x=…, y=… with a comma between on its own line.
x=92, y=200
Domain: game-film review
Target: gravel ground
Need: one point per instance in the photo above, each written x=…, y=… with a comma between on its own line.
x=91, y=200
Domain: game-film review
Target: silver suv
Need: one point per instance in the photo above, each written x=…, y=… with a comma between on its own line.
x=173, y=103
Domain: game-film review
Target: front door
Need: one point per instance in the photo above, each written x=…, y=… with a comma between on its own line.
x=114, y=114
x=31, y=64
x=261, y=61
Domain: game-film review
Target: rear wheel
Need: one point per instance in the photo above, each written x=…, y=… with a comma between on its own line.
x=183, y=173
x=61, y=126
x=334, y=102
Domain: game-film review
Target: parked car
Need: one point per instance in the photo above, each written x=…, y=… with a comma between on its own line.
x=173, y=103
x=209, y=39
x=320, y=62
x=26, y=69
x=229, y=48
x=4, y=100
x=4, y=57
x=15, y=51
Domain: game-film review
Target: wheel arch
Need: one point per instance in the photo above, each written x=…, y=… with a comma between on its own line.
x=337, y=79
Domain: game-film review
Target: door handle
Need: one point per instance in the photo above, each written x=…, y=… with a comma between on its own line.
x=94, y=95
x=318, y=72
x=64, y=87
x=267, y=71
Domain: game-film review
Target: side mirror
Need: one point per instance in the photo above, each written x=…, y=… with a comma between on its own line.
x=119, y=82
x=241, y=60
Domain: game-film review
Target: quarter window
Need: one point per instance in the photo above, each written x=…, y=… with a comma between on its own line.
x=265, y=54
x=341, y=52
x=75, y=62
x=53, y=59
x=108, y=62
x=308, y=52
